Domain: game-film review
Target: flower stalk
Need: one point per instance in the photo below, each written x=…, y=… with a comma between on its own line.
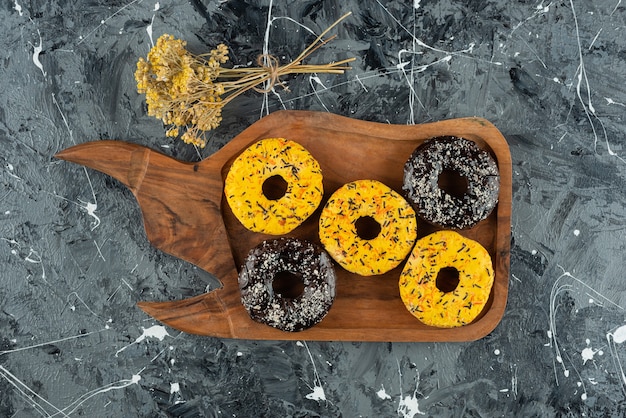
x=187, y=92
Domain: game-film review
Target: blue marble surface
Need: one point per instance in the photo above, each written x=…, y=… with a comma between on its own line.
x=74, y=258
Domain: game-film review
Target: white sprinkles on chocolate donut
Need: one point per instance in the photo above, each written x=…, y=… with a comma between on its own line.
x=463, y=157
x=302, y=258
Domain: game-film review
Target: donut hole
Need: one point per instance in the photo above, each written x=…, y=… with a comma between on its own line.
x=274, y=187
x=447, y=279
x=367, y=227
x=288, y=285
x=453, y=183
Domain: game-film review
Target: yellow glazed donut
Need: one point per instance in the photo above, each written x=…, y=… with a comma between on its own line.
x=280, y=163
x=388, y=235
x=439, y=301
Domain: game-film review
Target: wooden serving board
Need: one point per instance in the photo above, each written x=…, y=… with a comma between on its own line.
x=185, y=214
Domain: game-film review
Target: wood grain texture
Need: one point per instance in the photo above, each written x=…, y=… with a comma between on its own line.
x=186, y=215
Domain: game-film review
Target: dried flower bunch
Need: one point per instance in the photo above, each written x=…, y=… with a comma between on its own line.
x=187, y=92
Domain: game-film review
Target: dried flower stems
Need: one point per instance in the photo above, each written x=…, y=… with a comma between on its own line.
x=187, y=92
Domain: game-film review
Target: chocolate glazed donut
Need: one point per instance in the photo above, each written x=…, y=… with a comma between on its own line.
x=459, y=158
x=303, y=262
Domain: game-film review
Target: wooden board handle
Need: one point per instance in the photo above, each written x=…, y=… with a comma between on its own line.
x=180, y=201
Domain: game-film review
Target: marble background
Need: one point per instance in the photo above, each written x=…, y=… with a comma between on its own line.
x=74, y=258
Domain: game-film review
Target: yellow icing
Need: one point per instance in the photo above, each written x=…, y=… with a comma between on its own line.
x=367, y=257
x=264, y=159
x=418, y=287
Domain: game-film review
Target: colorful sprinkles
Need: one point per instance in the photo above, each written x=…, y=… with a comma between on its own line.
x=263, y=160
x=367, y=198
x=418, y=281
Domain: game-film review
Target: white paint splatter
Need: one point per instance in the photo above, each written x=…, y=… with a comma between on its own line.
x=88, y=206
x=361, y=83
x=15, y=350
x=317, y=81
x=120, y=384
x=33, y=256
x=266, y=41
x=496, y=352
x=587, y=354
x=619, y=335
x=382, y=394
x=149, y=30
x=91, y=211
x=544, y=9
x=45, y=407
x=409, y=76
x=317, y=393
x=576, y=232
x=36, y=51
x=409, y=407
x=174, y=387
x=157, y=6
x=514, y=380
x=103, y=21
x=594, y=39
x=613, y=102
x=267, y=86
x=401, y=65
x=17, y=7
x=155, y=331
x=566, y=282
x=590, y=111
x=36, y=400
x=539, y=10
x=73, y=307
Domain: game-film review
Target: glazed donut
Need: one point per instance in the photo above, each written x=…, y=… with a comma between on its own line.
x=307, y=264
x=273, y=186
x=378, y=247
x=447, y=280
x=459, y=156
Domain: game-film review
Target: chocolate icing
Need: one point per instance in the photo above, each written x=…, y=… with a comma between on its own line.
x=303, y=259
x=421, y=182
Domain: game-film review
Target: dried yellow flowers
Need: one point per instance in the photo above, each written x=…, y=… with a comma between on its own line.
x=187, y=92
